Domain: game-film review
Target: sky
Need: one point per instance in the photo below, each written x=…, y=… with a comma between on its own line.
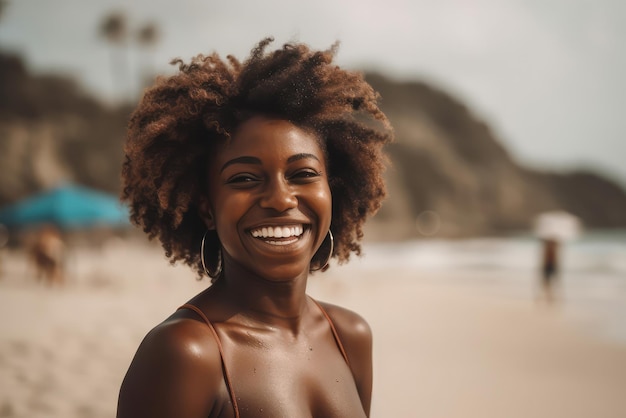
x=546, y=75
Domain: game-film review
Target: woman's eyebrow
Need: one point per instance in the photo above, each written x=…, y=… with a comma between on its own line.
x=254, y=160
x=241, y=160
x=301, y=156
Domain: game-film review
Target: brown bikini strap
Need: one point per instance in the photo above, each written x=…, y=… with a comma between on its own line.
x=228, y=380
x=334, y=331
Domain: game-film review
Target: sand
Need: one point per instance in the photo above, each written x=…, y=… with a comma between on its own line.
x=442, y=348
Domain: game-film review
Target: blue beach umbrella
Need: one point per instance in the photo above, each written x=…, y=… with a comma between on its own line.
x=67, y=207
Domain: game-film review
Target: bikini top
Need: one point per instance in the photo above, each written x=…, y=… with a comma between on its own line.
x=227, y=377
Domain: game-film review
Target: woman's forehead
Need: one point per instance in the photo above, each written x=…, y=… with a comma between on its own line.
x=264, y=135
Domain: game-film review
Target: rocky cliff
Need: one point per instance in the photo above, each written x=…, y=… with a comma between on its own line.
x=449, y=176
x=448, y=169
x=51, y=131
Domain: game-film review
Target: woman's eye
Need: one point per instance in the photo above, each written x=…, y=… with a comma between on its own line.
x=306, y=174
x=242, y=179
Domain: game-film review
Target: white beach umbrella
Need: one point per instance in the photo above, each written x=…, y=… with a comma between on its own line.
x=557, y=225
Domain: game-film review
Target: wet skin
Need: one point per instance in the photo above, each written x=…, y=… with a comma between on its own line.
x=279, y=349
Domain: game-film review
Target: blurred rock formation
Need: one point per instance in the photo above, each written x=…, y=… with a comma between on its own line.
x=448, y=169
x=51, y=131
x=446, y=161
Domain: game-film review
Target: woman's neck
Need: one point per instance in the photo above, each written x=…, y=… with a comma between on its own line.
x=278, y=304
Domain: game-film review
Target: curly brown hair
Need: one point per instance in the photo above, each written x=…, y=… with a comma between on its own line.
x=179, y=121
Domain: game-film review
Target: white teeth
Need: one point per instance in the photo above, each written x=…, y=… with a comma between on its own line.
x=278, y=232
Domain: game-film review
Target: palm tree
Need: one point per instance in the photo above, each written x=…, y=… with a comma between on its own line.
x=3, y=5
x=147, y=36
x=114, y=29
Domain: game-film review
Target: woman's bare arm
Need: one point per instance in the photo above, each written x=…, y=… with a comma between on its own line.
x=174, y=373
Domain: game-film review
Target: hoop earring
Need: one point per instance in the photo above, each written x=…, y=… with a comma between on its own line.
x=218, y=270
x=330, y=253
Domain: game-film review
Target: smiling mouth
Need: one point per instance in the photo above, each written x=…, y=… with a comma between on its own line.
x=278, y=235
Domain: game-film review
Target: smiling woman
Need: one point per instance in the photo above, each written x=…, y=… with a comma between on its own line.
x=255, y=174
x=268, y=199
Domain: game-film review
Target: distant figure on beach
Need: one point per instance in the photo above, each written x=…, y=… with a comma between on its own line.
x=553, y=228
x=4, y=239
x=255, y=174
x=549, y=268
x=47, y=254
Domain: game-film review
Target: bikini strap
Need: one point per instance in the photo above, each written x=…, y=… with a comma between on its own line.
x=334, y=331
x=227, y=378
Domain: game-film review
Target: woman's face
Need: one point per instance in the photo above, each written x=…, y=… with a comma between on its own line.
x=269, y=198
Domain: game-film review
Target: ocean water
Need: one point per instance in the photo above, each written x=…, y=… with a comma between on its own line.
x=591, y=285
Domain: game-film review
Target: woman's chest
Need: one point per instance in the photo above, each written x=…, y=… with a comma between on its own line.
x=298, y=395
x=314, y=382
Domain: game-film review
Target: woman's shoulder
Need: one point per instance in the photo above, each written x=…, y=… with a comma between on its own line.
x=184, y=337
x=351, y=326
x=176, y=365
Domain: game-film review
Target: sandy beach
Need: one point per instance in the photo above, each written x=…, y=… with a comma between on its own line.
x=442, y=348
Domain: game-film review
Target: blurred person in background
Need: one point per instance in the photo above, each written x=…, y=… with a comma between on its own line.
x=4, y=240
x=549, y=268
x=47, y=254
x=553, y=228
x=255, y=174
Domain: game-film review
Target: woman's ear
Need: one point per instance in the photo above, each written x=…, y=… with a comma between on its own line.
x=206, y=213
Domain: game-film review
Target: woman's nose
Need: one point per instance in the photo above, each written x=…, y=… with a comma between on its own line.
x=278, y=196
